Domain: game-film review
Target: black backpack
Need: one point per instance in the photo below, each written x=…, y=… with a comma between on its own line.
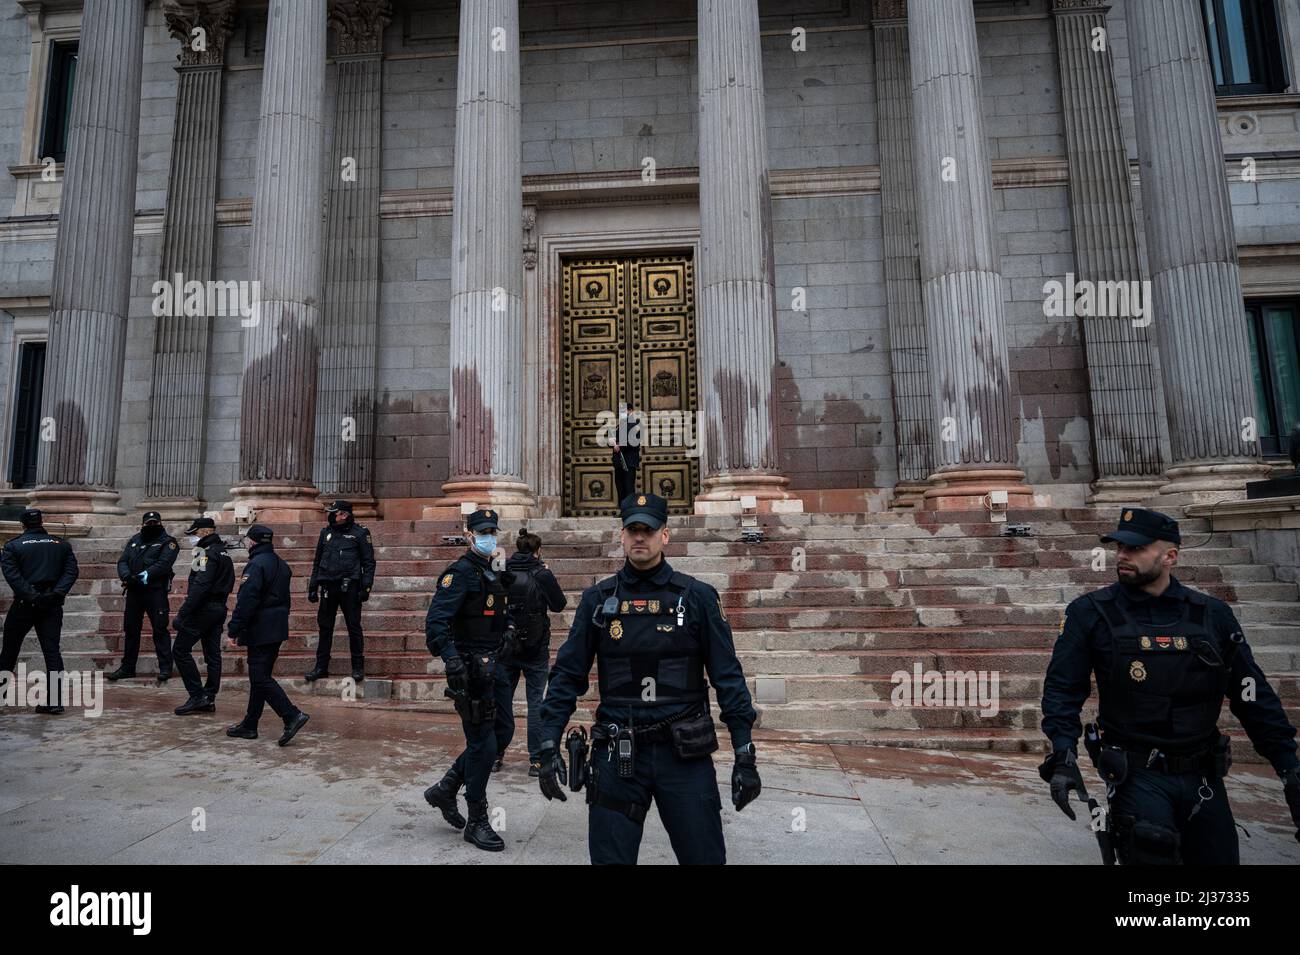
x=526, y=597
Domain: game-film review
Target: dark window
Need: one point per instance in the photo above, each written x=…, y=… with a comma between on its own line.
x=1245, y=46
x=58, y=100
x=1275, y=361
x=27, y=414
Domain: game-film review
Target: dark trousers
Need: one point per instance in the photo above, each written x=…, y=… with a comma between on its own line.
x=534, y=672
x=141, y=601
x=685, y=792
x=334, y=598
x=1151, y=820
x=474, y=764
x=203, y=626
x=48, y=621
x=262, y=688
x=625, y=480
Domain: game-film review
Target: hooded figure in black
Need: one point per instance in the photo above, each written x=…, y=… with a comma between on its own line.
x=145, y=571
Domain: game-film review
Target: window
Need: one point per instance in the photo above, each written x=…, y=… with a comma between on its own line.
x=58, y=100
x=1275, y=361
x=1245, y=46
x=27, y=414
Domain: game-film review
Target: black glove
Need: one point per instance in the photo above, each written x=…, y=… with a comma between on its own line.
x=552, y=774
x=456, y=677
x=745, y=784
x=312, y=595
x=1061, y=771
x=1291, y=789
x=365, y=594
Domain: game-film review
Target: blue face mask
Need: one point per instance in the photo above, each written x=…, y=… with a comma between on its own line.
x=485, y=544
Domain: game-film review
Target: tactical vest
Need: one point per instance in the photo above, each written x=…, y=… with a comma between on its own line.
x=481, y=620
x=1167, y=682
x=650, y=638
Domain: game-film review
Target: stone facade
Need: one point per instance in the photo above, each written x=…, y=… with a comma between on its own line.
x=601, y=88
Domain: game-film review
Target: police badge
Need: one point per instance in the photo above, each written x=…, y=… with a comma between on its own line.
x=616, y=629
x=1137, y=671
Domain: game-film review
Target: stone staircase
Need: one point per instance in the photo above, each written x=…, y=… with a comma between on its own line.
x=824, y=611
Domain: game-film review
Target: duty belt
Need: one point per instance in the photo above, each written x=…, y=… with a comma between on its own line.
x=1175, y=765
x=659, y=732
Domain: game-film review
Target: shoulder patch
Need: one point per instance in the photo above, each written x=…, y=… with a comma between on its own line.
x=172, y=545
x=446, y=580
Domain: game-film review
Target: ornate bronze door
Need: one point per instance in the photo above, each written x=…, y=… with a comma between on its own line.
x=629, y=329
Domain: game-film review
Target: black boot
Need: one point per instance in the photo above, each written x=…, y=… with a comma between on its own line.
x=241, y=731
x=121, y=673
x=478, y=831
x=291, y=727
x=164, y=675
x=195, y=704
x=442, y=796
x=49, y=710
x=358, y=672
x=317, y=672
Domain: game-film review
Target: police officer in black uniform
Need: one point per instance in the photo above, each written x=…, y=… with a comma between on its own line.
x=656, y=634
x=1165, y=656
x=41, y=569
x=627, y=453
x=467, y=622
x=145, y=569
x=202, y=616
x=261, y=624
x=342, y=574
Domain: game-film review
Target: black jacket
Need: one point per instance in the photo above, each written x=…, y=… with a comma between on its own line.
x=461, y=587
x=262, y=607
x=35, y=562
x=547, y=590
x=343, y=552
x=155, y=555
x=1084, y=646
x=212, y=576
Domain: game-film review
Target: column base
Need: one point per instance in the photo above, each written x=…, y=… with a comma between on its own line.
x=721, y=493
x=76, y=506
x=277, y=503
x=1119, y=491
x=965, y=489
x=174, y=508
x=513, y=499
x=1207, y=483
x=909, y=495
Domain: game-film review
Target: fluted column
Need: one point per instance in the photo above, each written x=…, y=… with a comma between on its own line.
x=1125, y=413
x=487, y=314
x=178, y=403
x=81, y=405
x=737, y=308
x=345, y=408
x=909, y=366
x=1192, y=251
x=278, y=404
x=961, y=282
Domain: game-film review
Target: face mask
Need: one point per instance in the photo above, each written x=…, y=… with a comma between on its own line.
x=194, y=540
x=485, y=544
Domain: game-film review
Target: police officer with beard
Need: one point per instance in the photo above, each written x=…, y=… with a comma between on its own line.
x=655, y=634
x=145, y=570
x=202, y=616
x=342, y=573
x=1165, y=656
x=41, y=569
x=467, y=622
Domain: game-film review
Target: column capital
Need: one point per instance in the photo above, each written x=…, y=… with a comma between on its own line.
x=1080, y=6
x=360, y=25
x=882, y=10
x=216, y=18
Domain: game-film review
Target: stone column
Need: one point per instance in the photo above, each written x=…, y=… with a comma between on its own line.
x=487, y=310
x=1125, y=412
x=961, y=283
x=82, y=402
x=278, y=404
x=178, y=403
x=345, y=407
x=909, y=366
x=1192, y=251
x=737, y=308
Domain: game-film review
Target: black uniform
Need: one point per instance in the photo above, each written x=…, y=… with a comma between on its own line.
x=151, y=552
x=664, y=632
x=627, y=459
x=534, y=595
x=342, y=574
x=203, y=615
x=1163, y=666
x=41, y=569
x=261, y=624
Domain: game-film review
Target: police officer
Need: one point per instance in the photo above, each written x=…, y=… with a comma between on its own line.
x=466, y=624
x=533, y=592
x=1165, y=656
x=41, y=569
x=342, y=573
x=201, y=618
x=261, y=623
x=627, y=452
x=145, y=570
x=656, y=634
